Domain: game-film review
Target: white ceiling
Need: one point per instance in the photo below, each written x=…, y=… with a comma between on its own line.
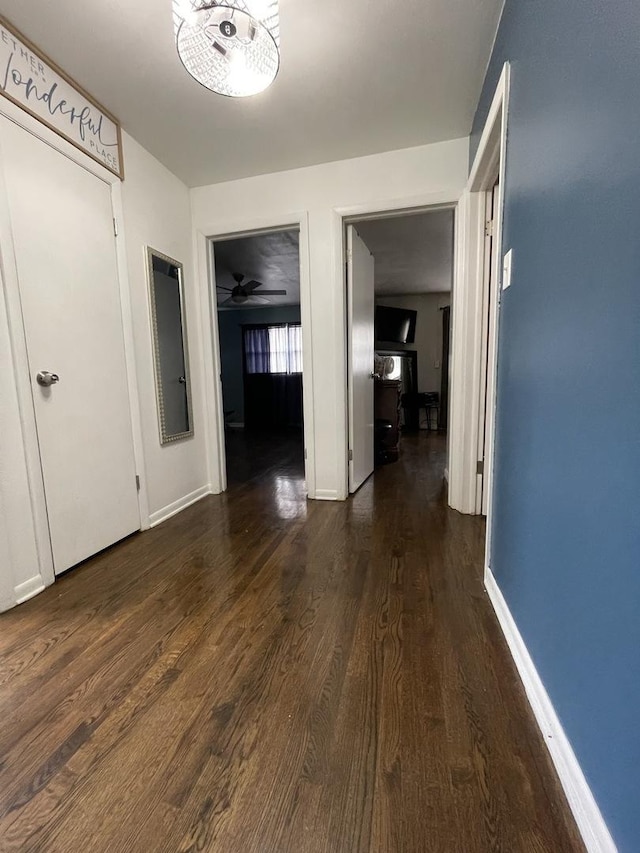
x=357, y=77
x=272, y=259
x=413, y=254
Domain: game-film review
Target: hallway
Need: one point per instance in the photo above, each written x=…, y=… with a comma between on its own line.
x=262, y=673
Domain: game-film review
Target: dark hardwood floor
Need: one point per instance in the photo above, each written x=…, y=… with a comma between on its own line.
x=254, y=455
x=263, y=674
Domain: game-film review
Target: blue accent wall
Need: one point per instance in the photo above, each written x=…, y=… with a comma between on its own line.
x=230, y=330
x=566, y=539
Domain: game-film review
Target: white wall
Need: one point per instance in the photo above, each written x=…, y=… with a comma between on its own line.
x=428, y=342
x=157, y=214
x=397, y=179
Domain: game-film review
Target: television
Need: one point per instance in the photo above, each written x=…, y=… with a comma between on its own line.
x=395, y=325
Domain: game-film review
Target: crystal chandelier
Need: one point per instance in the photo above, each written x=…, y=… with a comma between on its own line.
x=231, y=47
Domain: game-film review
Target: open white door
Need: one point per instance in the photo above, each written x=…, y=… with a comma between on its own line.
x=62, y=224
x=361, y=311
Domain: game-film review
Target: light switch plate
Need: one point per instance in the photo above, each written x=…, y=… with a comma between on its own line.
x=506, y=270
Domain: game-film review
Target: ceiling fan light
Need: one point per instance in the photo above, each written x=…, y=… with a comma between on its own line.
x=261, y=10
x=231, y=49
x=183, y=10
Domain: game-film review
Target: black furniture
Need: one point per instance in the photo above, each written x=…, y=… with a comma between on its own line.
x=444, y=376
x=430, y=402
x=387, y=420
x=382, y=434
x=414, y=403
x=411, y=403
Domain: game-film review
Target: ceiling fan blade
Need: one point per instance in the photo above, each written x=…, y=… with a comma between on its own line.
x=228, y=289
x=251, y=285
x=273, y=293
x=226, y=301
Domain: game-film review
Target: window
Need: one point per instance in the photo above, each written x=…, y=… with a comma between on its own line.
x=273, y=349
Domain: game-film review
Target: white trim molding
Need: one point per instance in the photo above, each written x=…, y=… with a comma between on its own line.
x=591, y=824
x=466, y=331
x=174, y=508
x=130, y=358
x=28, y=589
x=211, y=366
x=341, y=216
x=328, y=495
x=467, y=312
x=205, y=272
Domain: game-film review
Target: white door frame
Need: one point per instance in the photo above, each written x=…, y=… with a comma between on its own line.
x=488, y=342
x=467, y=387
x=360, y=259
x=224, y=230
x=343, y=216
x=20, y=365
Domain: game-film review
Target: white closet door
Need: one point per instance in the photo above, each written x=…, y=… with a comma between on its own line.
x=62, y=223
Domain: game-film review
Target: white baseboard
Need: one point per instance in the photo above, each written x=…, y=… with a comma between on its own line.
x=177, y=506
x=25, y=591
x=595, y=834
x=325, y=495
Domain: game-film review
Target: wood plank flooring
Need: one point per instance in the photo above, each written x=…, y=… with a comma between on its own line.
x=263, y=674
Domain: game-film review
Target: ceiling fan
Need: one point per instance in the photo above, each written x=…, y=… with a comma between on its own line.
x=242, y=293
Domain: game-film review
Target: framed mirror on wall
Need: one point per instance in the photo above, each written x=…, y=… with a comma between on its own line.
x=169, y=332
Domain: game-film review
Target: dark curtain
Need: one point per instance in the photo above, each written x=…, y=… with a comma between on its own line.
x=444, y=379
x=256, y=349
x=272, y=400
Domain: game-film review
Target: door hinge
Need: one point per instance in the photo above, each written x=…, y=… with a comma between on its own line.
x=350, y=455
x=138, y=482
x=488, y=228
x=348, y=256
x=480, y=466
x=115, y=227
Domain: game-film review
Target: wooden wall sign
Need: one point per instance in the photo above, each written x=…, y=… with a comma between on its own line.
x=36, y=84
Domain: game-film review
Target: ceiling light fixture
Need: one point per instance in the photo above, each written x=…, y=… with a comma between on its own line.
x=231, y=47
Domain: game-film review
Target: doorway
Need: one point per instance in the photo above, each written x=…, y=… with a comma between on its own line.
x=399, y=286
x=258, y=306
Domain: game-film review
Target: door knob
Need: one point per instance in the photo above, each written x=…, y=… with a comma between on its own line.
x=47, y=379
